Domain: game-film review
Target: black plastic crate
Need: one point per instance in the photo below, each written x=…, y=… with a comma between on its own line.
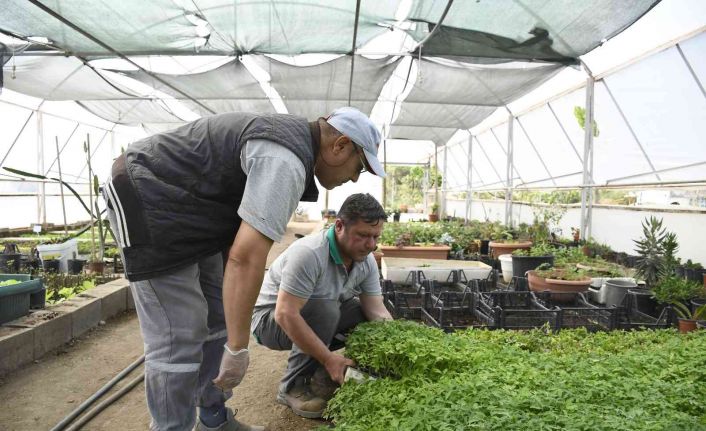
x=404, y=301
x=450, y=310
x=633, y=316
x=513, y=310
x=578, y=312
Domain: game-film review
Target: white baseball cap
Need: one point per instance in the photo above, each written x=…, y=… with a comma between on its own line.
x=358, y=127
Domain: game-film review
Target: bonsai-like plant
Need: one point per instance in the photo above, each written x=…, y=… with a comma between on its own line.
x=545, y=270
x=684, y=312
x=537, y=250
x=651, y=263
x=672, y=290
x=435, y=208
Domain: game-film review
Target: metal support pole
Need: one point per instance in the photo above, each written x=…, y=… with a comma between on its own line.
x=586, y=189
x=632, y=132
x=41, y=199
x=445, y=182
x=691, y=70
x=355, y=38
x=541, y=160
x=566, y=135
x=508, y=172
x=17, y=137
x=436, y=170
x=61, y=182
x=469, y=178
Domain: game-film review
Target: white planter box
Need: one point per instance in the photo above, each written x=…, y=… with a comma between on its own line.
x=506, y=266
x=397, y=269
x=64, y=251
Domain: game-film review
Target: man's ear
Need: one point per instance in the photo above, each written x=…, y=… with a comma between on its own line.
x=338, y=225
x=341, y=144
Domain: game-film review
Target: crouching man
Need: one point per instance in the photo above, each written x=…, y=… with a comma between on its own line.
x=321, y=286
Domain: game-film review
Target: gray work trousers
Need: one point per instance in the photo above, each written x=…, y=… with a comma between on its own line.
x=183, y=328
x=325, y=317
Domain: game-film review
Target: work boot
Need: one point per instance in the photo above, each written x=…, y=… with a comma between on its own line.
x=302, y=400
x=321, y=384
x=229, y=425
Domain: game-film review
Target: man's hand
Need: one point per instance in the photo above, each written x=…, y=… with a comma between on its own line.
x=336, y=366
x=233, y=368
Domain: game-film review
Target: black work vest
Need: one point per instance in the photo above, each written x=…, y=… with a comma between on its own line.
x=180, y=191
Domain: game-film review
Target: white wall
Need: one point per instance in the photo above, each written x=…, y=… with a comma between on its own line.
x=615, y=226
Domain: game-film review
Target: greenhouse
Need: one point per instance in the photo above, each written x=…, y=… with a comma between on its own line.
x=170, y=169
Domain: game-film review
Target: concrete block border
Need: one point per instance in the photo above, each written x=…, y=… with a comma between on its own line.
x=28, y=338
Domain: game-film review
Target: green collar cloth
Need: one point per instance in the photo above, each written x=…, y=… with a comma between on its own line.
x=333, y=247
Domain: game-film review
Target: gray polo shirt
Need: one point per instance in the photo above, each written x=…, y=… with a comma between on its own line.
x=312, y=268
x=276, y=181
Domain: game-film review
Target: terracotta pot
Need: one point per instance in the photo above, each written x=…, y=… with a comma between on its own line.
x=704, y=279
x=417, y=252
x=558, y=288
x=433, y=218
x=378, y=258
x=686, y=325
x=96, y=267
x=497, y=248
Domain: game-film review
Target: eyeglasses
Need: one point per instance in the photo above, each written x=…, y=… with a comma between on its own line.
x=363, y=164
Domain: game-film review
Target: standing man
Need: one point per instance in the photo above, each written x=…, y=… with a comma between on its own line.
x=322, y=285
x=195, y=212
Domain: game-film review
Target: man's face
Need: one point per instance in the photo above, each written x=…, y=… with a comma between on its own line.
x=342, y=163
x=357, y=240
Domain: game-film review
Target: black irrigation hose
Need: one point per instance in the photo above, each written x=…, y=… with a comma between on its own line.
x=105, y=403
x=84, y=405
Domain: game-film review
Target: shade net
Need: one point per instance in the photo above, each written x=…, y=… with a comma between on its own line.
x=314, y=91
x=229, y=87
x=205, y=26
x=449, y=93
x=528, y=29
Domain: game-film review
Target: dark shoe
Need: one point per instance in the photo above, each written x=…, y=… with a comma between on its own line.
x=302, y=401
x=229, y=425
x=321, y=384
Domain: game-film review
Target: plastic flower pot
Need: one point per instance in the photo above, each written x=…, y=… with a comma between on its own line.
x=497, y=247
x=522, y=264
x=686, y=325
x=559, y=289
x=51, y=265
x=76, y=265
x=506, y=266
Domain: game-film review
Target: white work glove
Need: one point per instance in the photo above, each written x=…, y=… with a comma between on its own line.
x=233, y=368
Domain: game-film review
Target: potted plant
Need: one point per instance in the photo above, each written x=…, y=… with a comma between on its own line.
x=651, y=262
x=693, y=271
x=524, y=260
x=413, y=240
x=507, y=245
x=677, y=292
x=558, y=281
x=434, y=215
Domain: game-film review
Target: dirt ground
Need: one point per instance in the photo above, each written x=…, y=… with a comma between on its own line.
x=39, y=395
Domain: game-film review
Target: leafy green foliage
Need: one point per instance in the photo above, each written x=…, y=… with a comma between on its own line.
x=405, y=184
x=8, y=282
x=672, y=290
x=511, y=380
x=537, y=250
x=651, y=264
x=580, y=115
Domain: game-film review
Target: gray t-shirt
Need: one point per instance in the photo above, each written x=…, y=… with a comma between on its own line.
x=275, y=183
x=311, y=269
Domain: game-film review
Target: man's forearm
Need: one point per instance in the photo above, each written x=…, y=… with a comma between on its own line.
x=241, y=286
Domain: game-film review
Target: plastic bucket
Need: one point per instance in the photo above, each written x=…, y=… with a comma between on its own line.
x=506, y=267
x=615, y=289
